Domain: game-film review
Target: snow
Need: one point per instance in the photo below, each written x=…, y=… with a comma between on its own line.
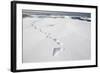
x=38, y=35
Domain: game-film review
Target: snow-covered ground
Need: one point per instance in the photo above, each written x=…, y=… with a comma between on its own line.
x=39, y=35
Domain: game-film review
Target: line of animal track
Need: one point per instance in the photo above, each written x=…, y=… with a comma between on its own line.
x=49, y=36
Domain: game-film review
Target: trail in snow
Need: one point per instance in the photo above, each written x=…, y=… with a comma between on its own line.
x=48, y=35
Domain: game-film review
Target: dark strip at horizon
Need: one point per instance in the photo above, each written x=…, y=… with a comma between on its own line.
x=41, y=12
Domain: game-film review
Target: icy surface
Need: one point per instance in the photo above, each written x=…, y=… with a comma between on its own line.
x=46, y=30
x=55, y=39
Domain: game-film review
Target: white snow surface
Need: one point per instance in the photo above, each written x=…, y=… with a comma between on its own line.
x=75, y=35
